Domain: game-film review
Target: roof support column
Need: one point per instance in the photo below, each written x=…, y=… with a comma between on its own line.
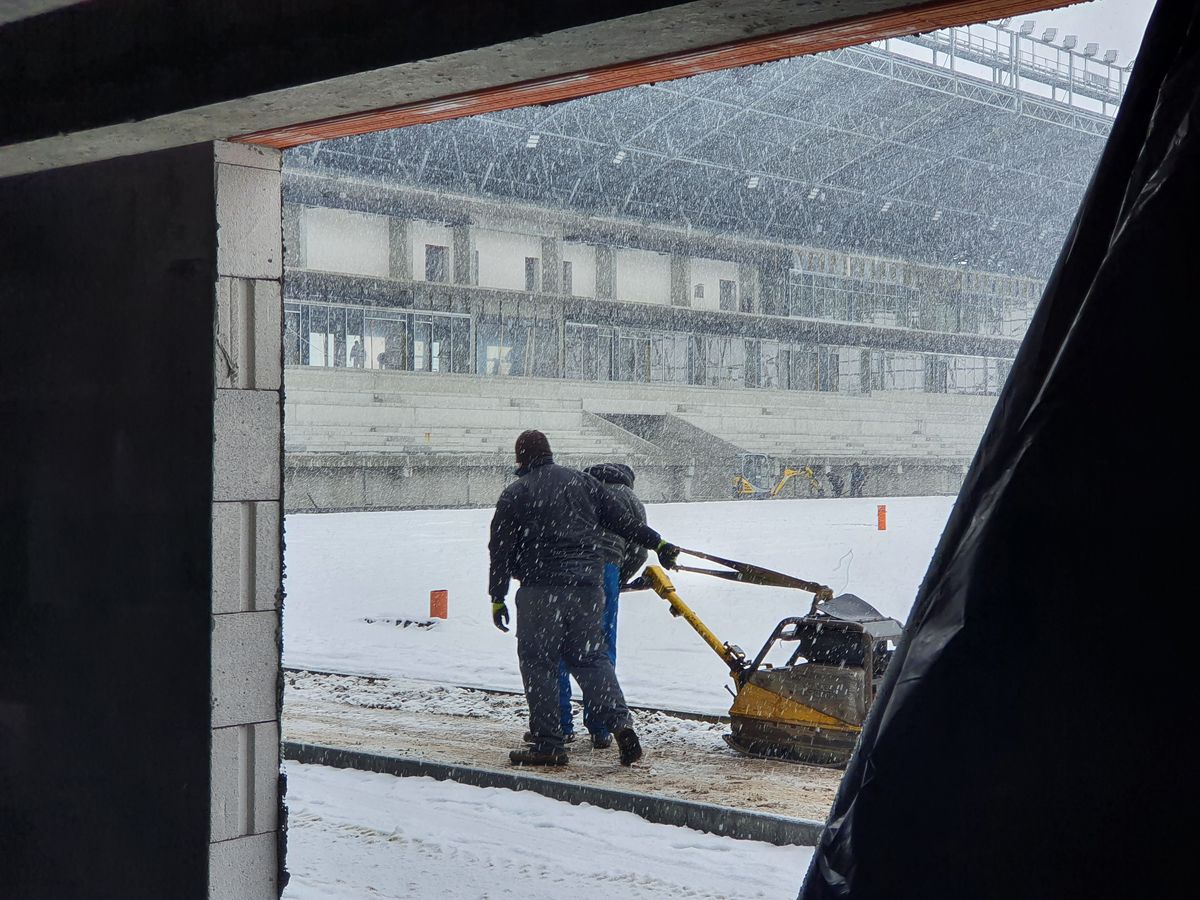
x=460, y=253
x=552, y=265
x=400, y=250
x=604, y=272
x=681, y=280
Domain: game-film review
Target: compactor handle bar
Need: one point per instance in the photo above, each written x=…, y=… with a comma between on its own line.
x=748, y=573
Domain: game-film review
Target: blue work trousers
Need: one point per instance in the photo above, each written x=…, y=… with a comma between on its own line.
x=612, y=591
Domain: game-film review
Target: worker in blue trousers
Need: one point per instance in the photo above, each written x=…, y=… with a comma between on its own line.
x=622, y=561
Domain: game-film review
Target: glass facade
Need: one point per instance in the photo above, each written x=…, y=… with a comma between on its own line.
x=934, y=307
x=321, y=334
x=344, y=336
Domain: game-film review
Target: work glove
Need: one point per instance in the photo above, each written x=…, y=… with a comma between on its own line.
x=668, y=554
x=500, y=614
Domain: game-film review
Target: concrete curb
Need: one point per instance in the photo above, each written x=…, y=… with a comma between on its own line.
x=736, y=823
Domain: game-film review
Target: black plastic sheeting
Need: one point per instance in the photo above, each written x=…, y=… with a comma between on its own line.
x=1025, y=741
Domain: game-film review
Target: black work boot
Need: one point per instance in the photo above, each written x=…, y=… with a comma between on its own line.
x=629, y=746
x=601, y=740
x=568, y=738
x=538, y=756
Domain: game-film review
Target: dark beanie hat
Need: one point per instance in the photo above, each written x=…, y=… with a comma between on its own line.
x=530, y=446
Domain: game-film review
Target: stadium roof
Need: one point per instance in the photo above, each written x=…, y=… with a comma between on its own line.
x=863, y=150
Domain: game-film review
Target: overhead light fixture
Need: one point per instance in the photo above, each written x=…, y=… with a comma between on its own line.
x=533, y=141
x=752, y=182
x=619, y=158
x=812, y=195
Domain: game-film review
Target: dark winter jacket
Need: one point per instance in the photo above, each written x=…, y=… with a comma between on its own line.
x=617, y=479
x=549, y=528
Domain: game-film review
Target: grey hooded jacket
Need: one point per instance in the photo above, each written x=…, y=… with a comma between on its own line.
x=617, y=479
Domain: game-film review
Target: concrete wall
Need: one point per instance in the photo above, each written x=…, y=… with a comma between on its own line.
x=642, y=276
x=368, y=440
x=502, y=257
x=116, y=655
x=245, y=847
x=105, y=643
x=708, y=273
x=583, y=265
x=421, y=233
x=337, y=240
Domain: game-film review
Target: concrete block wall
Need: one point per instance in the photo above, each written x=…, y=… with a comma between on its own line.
x=244, y=850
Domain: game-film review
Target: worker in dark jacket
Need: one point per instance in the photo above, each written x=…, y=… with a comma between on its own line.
x=623, y=560
x=548, y=532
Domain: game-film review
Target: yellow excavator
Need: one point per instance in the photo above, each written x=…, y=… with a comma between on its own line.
x=744, y=487
x=750, y=482
x=810, y=708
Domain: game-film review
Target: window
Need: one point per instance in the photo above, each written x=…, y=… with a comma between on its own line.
x=292, y=352
x=668, y=358
x=729, y=295
x=698, y=292
x=568, y=283
x=753, y=363
x=320, y=334
x=582, y=352
x=635, y=357
x=828, y=369
x=937, y=375
x=533, y=267
x=716, y=360
x=437, y=263
x=515, y=345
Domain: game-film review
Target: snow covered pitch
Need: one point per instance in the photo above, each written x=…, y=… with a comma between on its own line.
x=358, y=834
x=346, y=569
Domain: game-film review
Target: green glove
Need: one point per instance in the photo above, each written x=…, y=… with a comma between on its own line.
x=668, y=554
x=500, y=615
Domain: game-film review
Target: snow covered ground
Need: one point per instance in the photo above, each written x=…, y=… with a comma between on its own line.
x=343, y=569
x=358, y=834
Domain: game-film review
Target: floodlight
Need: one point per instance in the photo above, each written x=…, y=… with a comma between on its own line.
x=1048, y=35
x=937, y=215
x=619, y=158
x=1002, y=23
x=1110, y=56
x=812, y=195
x=887, y=204
x=1091, y=49
x=532, y=141
x=752, y=182
x=1070, y=42
x=1027, y=27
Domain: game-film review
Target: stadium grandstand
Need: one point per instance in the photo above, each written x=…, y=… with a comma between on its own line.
x=823, y=264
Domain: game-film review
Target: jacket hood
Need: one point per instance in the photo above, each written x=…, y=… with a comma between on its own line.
x=543, y=460
x=612, y=473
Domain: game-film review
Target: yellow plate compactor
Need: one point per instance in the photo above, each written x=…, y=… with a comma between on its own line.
x=811, y=708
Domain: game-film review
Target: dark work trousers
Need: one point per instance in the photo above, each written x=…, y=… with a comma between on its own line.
x=566, y=715
x=565, y=623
